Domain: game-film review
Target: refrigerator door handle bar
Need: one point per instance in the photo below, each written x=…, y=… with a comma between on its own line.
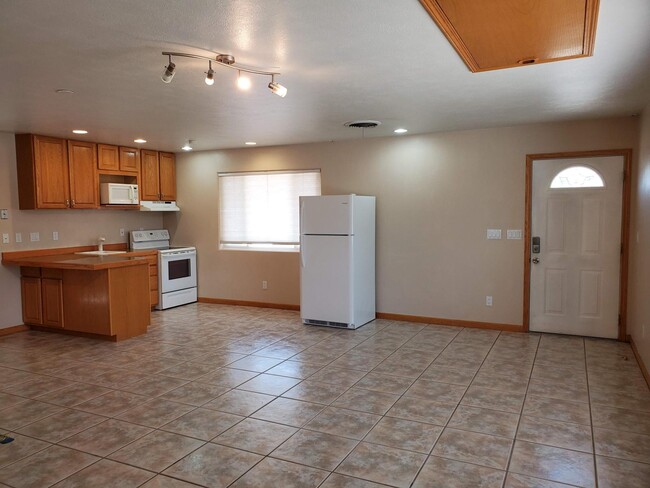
x=302, y=254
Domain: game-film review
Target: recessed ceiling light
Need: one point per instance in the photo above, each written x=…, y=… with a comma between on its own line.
x=250, y=143
x=80, y=131
x=188, y=145
x=139, y=141
x=400, y=131
x=64, y=91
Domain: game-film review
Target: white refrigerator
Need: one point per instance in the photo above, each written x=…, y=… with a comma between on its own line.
x=337, y=260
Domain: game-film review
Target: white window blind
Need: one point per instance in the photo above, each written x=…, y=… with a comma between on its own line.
x=260, y=211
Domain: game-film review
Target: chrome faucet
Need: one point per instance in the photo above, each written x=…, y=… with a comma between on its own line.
x=101, y=241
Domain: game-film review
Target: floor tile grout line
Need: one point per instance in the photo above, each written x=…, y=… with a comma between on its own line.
x=521, y=412
x=466, y=388
x=591, y=417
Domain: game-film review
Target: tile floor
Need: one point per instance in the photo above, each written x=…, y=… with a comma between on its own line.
x=222, y=396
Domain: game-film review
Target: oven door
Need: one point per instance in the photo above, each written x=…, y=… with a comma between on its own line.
x=177, y=270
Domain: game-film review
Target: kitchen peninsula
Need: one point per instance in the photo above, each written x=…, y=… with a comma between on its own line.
x=104, y=296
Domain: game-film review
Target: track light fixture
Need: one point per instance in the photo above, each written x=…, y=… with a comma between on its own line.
x=277, y=88
x=170, y=70
x=209, y=76
x=227, y=61
x=188, y=145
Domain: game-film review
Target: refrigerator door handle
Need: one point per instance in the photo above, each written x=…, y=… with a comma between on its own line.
x=302, y=254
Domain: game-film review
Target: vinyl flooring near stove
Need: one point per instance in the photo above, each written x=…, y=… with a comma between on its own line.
x=220, y=396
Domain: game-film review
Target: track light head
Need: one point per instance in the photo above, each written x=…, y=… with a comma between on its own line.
x=209, y=76
x=188, y=145
x=170, y=70
x=277, y=88
x=243, y=82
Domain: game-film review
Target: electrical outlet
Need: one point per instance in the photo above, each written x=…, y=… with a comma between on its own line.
x=4, y=214
x=488, y=301
x=513, y=234
x=5, y=238
x=265, y=285
x=34, y=236
x=494, y=233
x=121, y=232
x=55, y=236
x=19, y=237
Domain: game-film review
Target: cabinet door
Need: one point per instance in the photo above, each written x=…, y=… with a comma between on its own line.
x=31, y=293
x=167, y=176
x=52, y=296
x=150, y=179
x=82, y=158
x=108, y=157
x=129, y=159
x=52, y=175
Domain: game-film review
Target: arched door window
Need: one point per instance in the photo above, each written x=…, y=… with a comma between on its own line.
x=578, y=177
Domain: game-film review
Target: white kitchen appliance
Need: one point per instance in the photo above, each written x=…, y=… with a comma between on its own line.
x=118, y=194
x=148, y=206
x=177, y=283
x=337, y=258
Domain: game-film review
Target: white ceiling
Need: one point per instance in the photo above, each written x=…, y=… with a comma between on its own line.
x=340, y=59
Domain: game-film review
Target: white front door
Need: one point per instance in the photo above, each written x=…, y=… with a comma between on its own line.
x=575, y=270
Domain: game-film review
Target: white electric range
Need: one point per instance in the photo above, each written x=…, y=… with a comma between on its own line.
x=177, y=283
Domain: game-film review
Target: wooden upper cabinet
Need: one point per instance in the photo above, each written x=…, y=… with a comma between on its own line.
x=150, y=175
x=43, y=174
x=167, y=176
x=84, y=186
x=129, y=159
x=108, y=157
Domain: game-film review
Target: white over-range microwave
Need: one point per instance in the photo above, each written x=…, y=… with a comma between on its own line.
x=119, y=194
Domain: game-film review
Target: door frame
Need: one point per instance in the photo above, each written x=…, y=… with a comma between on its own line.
x=625, y=226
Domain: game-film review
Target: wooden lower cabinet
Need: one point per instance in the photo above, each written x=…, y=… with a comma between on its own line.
x=112, y=302
x=32, y=301
x=52, y=296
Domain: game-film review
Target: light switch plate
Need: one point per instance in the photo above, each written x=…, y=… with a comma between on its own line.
x=19, y=237
x=55, y=236
x=34, y=236
x=494, y=233
x=4, y=214
x=121, y=232
x=513, y=233
x=5, y=238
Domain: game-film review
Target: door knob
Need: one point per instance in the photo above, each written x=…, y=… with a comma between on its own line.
x=535, y=260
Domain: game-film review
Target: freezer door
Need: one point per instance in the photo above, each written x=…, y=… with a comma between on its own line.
x=326, y=279
x=330, y=214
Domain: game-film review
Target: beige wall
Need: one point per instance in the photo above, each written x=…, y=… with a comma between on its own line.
x=75, y=227
x=639, y=282
x=436, y=196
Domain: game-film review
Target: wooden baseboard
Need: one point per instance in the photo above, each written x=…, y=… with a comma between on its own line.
x=14, y=329
x=453, y=322
x=639, y=360
x=246, y=303
x=380, y=315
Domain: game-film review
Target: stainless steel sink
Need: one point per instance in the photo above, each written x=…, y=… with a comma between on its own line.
x=100, y=253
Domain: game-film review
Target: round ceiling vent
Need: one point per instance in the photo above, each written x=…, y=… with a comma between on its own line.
x=363, y=124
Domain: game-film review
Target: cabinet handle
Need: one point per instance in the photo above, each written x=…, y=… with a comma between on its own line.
x=67, y=203
x=73, y=203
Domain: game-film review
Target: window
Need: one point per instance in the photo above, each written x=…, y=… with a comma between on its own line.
x=259, y=210
x=577, y=177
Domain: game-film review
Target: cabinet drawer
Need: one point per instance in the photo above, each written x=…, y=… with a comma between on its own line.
x=55, y=274
x=30, y=272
